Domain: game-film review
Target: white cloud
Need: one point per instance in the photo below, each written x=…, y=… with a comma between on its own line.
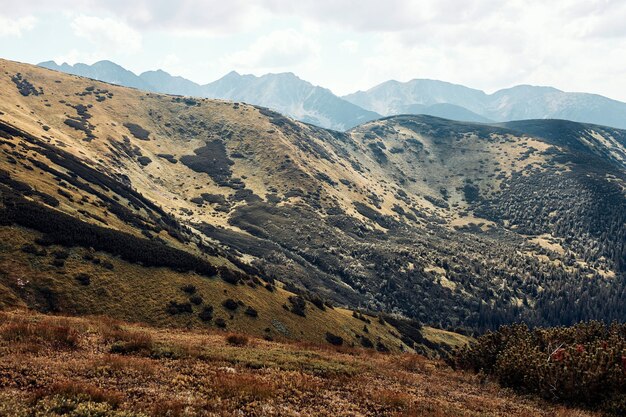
x=488, y=44
x=173, y=64
x=279, y=49
x=75, y=56
x=350, y=46
x=15, y=27
x=182, y=16
x=107, y=33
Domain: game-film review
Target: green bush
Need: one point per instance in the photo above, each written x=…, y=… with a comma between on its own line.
x=584, y=364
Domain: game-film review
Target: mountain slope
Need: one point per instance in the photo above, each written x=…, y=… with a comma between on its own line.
x=453, y=224
x=285, y=93
x=98, y=214
x=520, y=102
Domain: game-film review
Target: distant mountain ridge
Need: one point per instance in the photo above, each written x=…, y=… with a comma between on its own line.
x=284, y=92
x=103, y=71
x=517, y=103
x=290, y=95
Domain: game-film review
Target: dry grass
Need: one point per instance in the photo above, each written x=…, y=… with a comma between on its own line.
x=72, y=389
x=126, y=342
x=116, y=365
x=413, y=363
x=53, y=333
x=237, y=339
x=243, y=386
x=198, y=373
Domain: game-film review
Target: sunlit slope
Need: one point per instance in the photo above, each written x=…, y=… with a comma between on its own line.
x=458, y=224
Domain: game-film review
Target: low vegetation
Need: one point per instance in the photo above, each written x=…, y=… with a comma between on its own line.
x=66, y=230
x=61, y=366
x=584, y=364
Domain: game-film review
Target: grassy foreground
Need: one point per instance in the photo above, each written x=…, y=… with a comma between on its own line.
x=95, y=366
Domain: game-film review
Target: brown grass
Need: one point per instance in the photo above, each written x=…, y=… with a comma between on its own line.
x=392, y=399
x=119, y=364
x=243, y=387
x=125, y=342
x=412, y=362
x=54, y=333
x=196, y=373
x=74, y=389
x=237, y=339
x=168, y=408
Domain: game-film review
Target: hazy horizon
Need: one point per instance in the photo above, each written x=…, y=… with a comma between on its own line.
x=243, y=74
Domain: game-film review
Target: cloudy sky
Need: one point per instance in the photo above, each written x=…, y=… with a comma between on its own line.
x=345, y=45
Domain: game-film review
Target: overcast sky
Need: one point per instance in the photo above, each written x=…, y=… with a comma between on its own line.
x=574, y=45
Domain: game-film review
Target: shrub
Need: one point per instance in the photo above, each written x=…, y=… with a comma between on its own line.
x=318, y=302
x=24, y=86
x=410, y=331
x=366, y=342
x=108, y=265
x=237, y=339
x=298, y=305
x=189, y=288
x=220, y=322
x=59, y=263
x=360, y=316
x=231, y=276
x=33, y=250
x=168, y=157
x=61, y=254
x=230, y=304
x=137, y=131
x=206, y=314
x=63, y=229
x=83, y=279
x=334, y=339
x=174, y=308
x=380, y=346
x=584, y=364
x=196, y=299
x=251, y=312
x=144, y=160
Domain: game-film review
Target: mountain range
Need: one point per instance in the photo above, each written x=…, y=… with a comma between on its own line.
x=284, y=92
x=516, y=103
x=290, y=95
